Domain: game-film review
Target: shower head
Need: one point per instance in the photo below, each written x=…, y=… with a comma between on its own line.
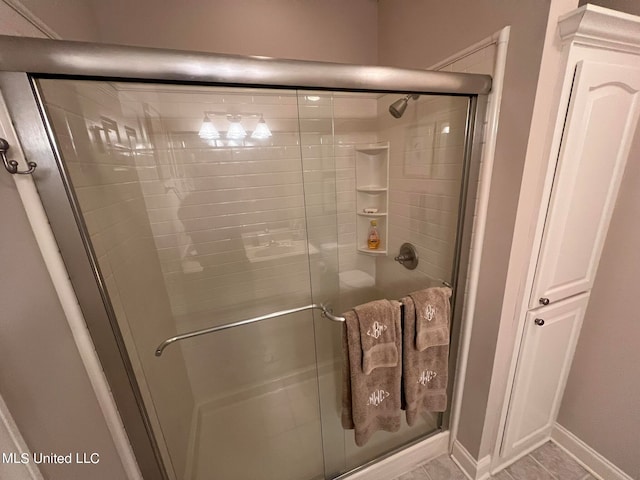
x=398, y=107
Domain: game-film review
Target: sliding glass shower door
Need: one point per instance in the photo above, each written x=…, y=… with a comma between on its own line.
x=411, y=172
x=205, y=206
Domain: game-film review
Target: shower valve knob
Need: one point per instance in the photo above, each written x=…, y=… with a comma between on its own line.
x=408, y=256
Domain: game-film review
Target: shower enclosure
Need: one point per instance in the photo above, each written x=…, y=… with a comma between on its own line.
x=193, y=191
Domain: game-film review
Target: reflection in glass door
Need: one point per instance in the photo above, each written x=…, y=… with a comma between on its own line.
x=210, y=205
x=193, y=199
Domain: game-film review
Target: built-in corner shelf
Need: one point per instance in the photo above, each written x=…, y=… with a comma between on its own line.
x=372, y=191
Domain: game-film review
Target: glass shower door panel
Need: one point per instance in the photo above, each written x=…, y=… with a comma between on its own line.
x=321, y=171
x=195, y=227
x=425, y=169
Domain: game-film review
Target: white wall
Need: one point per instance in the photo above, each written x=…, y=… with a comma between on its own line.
x=69, y=19
x=328, y=30
x=42, y=377
x=418, y=34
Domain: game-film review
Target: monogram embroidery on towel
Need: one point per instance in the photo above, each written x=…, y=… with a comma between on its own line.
x=377, y=329
x=429, y=312
x=377, y=397
x=426, y=376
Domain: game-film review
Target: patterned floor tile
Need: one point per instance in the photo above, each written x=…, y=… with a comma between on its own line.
x=503, y=475
x=549, y=462
x=528, y=469
x=417, y=474
x=443, y=468
x=556, y=461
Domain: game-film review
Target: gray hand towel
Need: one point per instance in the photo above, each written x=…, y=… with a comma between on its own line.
x=424, y=373
x=369, y=402
x=378, y=334
x=432, y=316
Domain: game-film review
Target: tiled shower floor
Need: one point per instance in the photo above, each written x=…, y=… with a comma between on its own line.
x=549, y=462
x=278, y=435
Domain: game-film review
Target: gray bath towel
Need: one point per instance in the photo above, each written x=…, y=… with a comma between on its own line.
x=424, y=373
x=369, y=402
x=432, y=316
x=378, y=334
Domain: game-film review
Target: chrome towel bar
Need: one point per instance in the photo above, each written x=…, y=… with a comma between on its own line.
x=326, y=312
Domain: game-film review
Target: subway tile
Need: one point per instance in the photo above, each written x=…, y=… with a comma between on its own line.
x=318, y=164
x=345, y=185
x=250, y=166
x=90, y=174
x=316, y=150
x=196, y=226
x=357, y=138
x=232, y=206
x=322, y=123
x=343, y=150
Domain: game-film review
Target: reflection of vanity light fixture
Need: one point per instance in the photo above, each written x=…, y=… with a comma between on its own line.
x=207, y=130
x=445, y=129
x=261, y=132
x=236, y=130
x=313, y=98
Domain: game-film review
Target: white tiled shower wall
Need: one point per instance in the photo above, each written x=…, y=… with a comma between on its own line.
x=206, y=201
x=426, y=161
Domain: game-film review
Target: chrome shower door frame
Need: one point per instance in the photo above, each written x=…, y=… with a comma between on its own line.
x=24, y=59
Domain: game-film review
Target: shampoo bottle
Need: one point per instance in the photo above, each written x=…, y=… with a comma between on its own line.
x=373, y=238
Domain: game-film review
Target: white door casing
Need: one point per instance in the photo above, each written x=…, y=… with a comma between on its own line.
x=550, y=337
x=601, y=120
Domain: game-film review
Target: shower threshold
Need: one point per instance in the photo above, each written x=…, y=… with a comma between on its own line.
x=402, y=459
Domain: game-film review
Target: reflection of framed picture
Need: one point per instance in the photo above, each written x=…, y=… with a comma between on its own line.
x=111, y=132
x=97, y=136
x=443, y=128
x=132, y=137
x=419, y=147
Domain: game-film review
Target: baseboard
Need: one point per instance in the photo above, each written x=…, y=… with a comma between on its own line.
x=597, y=465
x=500, y=463
x=405, y=460
x=472, y=468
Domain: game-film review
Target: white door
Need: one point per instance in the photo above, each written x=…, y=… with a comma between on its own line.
x=550, y=337
x=601, y=121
